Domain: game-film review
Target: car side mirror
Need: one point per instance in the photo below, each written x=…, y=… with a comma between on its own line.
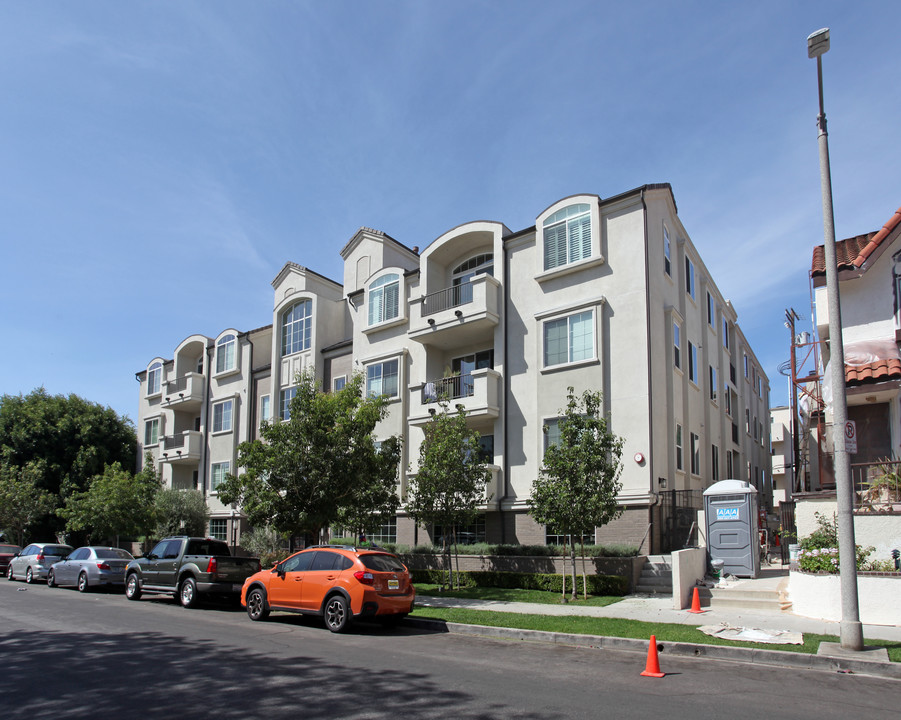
x=151, y=556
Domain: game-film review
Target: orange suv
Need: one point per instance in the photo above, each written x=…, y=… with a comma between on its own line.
x=338, y=582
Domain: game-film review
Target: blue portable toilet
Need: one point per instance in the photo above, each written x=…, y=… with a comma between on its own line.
x=730, y=507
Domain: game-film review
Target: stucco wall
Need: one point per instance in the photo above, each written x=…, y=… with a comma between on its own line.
x=880, y=530
x=819, y=596
x=689, y=566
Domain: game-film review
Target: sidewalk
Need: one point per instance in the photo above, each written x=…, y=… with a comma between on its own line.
x=649, y=608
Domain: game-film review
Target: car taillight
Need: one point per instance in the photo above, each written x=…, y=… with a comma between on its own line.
x=212, y=565
x=102, y=566
x=40, y=557
x=364, y=577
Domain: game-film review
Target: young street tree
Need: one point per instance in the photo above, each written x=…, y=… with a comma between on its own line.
x=576, y=489
x=450, y=483
x=180, y=512
x=116, y=503
x=319, y=462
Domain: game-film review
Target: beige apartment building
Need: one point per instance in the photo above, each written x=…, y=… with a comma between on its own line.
x=602, y=294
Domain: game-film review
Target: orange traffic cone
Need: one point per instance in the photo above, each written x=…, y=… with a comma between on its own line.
x=696, y=603
x=652, y=668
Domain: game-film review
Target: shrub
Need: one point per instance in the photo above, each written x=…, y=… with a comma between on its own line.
x=819, y=550
x=597, y=584
x=529, y=550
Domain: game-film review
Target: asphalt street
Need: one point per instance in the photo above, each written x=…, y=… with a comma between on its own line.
x=69, y=655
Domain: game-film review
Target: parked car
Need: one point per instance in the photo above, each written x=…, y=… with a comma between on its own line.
x=7, y=553
x=34, y=562
x=188, y=568
x=89, y=567
x=336, y=582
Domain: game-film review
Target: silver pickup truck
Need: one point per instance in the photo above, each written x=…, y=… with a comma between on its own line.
x=188, y=568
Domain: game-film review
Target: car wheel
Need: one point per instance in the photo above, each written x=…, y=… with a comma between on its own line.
x=29, y=576
x=257, y=607
x=9, y=573
x=132, y=587
x=187, y=592
x=337, y=614
x=83, y=582
x=51, y=579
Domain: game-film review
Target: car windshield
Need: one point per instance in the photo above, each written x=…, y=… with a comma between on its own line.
x=60, y=551
x=113, y=554
x=382, y=563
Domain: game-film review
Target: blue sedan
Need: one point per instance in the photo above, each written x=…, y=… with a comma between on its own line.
x=91, y=566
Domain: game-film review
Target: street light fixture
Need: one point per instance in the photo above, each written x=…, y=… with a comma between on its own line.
x=850, y=628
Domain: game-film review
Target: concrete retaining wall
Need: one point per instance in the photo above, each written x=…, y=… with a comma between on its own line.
x=819, y=596
x=689, y=566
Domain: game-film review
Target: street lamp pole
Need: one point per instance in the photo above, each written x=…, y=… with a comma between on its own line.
x=851, y=630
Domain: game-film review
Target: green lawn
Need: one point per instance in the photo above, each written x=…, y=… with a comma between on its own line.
x=513, y=595
x=608, y=627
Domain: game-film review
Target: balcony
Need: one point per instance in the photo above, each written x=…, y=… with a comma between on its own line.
x=181, y=449
x=449, y=317
x=877, y=486
x=184, y=393
x=477, y=392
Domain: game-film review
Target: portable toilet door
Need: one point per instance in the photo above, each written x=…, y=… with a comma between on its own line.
x=730, y=507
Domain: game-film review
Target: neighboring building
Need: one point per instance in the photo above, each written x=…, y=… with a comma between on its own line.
x=869, y=272
x=601, y=294
x=783, y=453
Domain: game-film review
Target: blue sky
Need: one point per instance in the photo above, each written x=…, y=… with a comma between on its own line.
x=161, y=161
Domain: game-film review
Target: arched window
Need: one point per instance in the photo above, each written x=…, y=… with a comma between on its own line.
x=567, y=236
x=384, y=296
x=154, y=375
x=225, y=353
x=466, y=271
x=297, y=324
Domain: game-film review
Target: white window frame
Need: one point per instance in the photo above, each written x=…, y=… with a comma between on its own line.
x=338, y=383
x=714, y=384
x=692, y=362
x=714, y=463
x=226, y=420
x=155, y=379
x=381, y=366
x=690, y=278
x=695, y=457
x=285, y=396
x=220, y=523
x=677, y=345
x=295, y=334
x=567, y=236
x=265, y=408
x=711, y=311
x=680, y=458
x=667, y=250
x=226, y=354
x=151, y=437
x=218, y=471
x=725, y=332
x=383, y=302
x=574, y=355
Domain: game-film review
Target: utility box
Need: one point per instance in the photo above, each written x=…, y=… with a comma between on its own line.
x=733, y=535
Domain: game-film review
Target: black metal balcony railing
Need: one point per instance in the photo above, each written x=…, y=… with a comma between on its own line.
x=171, y=442
x=177, y=385
x=877, y=486
x=450, y=388
x=448, y=298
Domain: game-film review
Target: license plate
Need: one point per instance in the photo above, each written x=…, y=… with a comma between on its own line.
x=394, y=584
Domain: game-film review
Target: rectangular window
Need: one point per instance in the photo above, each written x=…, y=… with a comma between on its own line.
x=284, y=402
x=714, y=383
x=265, y=409
x=711, y=311
x=695, y=454
x=692, y=363
x=667, y=267
x=154, y=376
x=551, y=432
x=218, y=471
x=725, y=333
x=384, y=299
x=381, y=379
x=222, y=416
x=385, y=532
x=339, y=382
x=747, y=365
x=225, y=353
x=152, y=432
x=689, y=277
x=677, y=345
x=747, y=421
x=679, y=462
x=756, y=429
x=727, y=398
x=715, y=463
x=554, y=537
x=219, y=529
x=569, y=339
x=730, y=465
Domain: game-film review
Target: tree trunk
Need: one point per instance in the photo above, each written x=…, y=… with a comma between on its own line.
x=584, y=573
x=457, y=560
x=572, y=548
x=563, y=573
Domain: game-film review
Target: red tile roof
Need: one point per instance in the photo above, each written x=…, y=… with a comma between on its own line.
x=878, y=371
x=854, y=252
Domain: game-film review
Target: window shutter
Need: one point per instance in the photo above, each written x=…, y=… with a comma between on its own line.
x=554, y=246
x=375, y=306
x=580, y=238
x=390, y=300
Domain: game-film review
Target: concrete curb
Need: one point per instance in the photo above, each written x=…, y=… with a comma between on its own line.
x=757, y=656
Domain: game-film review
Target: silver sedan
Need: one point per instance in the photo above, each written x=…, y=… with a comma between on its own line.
x=91, y=566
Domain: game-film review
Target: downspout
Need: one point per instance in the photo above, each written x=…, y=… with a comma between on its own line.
x=647, y=300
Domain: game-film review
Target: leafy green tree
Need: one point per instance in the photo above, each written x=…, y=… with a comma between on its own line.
x=579, y=480
x=74, y=439
x=322, y=461
x=180, y=512
x=370, y=502
x=451, y=481
x=266, y=543
x=115, y=503
x=22, y=501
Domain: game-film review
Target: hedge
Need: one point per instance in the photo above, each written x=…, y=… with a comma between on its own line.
x=597, y=584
